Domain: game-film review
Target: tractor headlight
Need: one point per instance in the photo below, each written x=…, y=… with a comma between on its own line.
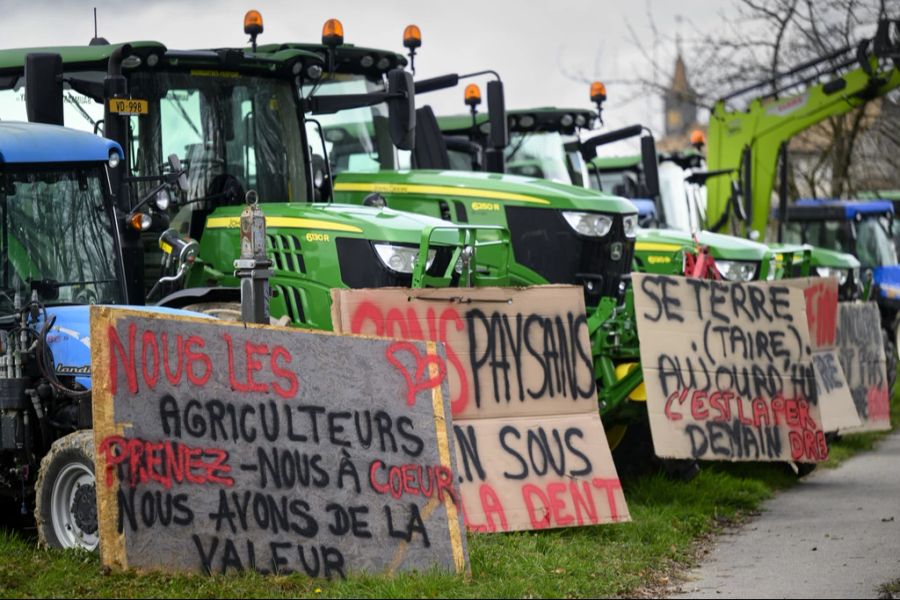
x=401, y=259
x=630, y=223
x=589, y=224
x=841, y=274
x=114, y=159
x=736, y=270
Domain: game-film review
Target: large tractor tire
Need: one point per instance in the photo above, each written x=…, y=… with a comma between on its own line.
x=634, y=456
x=66, y=498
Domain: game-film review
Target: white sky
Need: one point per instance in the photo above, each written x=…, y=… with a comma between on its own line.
x=528, y=43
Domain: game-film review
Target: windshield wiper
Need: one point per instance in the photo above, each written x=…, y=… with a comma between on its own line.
x=185, y=114
x=74, y=102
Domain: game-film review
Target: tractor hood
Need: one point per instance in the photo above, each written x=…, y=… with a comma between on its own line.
x=724, y=247
x=70, y=337
x=488, y=187
x=340, y=220
x=823, y=257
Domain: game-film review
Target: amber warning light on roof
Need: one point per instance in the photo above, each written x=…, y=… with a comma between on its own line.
x=698, y=138
x=473, y=95
x=333, y=33
x=598, y=92
x=253, y=23
x=412, y=37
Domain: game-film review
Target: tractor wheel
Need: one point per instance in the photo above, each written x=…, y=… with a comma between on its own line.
x=803, y=469
x=634, y=455
x=890, y=354
x=65, y=510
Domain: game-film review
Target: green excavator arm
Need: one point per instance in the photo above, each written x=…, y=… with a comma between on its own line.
x=749, y=141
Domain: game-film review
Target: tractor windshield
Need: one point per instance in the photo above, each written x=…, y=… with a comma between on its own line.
x=57, y=237
x=233, y=132
x=869, y=239
x=539, y=154
x=874, y=247
x=351, y=136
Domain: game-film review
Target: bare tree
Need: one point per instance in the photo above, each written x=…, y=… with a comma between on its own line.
x=758, y=41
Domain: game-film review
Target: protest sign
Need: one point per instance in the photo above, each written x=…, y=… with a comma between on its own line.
x=835, y=402
x=727, y=369
x=861, y=349
x=531, y=449
x=224, y=447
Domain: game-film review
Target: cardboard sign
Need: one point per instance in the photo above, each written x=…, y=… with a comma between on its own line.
x=223, y=447
x=835, y=402
x=728, y=371
x=531, y=449
x=861, y=349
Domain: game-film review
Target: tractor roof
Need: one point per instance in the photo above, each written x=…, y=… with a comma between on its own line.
x=815, y=209
x=616, y=163
x=12, y=61
x=523, y=120
x=348, y=59
x=39, y=143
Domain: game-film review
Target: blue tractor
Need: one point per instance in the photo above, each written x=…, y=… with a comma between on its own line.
x=863, y=228
x=60, y=252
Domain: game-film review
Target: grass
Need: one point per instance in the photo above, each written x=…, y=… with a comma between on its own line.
x=890, y=590
x=668, y=517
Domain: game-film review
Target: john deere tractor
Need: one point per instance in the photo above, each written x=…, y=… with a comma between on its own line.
x=548, y=142
x=558, y=233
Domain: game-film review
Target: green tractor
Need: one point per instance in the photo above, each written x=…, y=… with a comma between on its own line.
x=233, y=118
x=558, y=233
x=546, y=142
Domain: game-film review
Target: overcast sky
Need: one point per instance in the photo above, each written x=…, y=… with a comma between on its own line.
x=530, y=43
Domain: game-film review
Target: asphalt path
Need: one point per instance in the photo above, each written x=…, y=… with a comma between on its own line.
x=835, y=535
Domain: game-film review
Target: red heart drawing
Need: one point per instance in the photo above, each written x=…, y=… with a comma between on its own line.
x=419, y=382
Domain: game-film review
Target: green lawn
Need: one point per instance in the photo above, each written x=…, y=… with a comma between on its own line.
x=668, y=517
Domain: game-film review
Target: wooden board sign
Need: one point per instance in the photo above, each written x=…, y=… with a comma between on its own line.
x=728, y=370
x=223, y=447
x=861, y=349
x=835, y=402
x=532, y=452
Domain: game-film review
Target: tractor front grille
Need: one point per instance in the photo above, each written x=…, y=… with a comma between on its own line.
x=285, y=253
x=543, y=241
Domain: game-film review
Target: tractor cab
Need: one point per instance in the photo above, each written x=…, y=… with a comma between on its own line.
x=543, y=142
x=58, y=236
x=863, y=228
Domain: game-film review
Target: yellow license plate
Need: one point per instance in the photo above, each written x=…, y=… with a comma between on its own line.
x=129, y=106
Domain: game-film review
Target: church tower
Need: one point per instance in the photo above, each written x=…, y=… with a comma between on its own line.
x=679, y=101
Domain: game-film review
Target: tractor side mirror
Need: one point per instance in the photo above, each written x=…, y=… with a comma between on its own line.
x=44, y=88
x=499, y=135
x=402, y=109
x=650, y=164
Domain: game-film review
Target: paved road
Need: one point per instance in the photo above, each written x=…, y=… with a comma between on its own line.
x=836, y=535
